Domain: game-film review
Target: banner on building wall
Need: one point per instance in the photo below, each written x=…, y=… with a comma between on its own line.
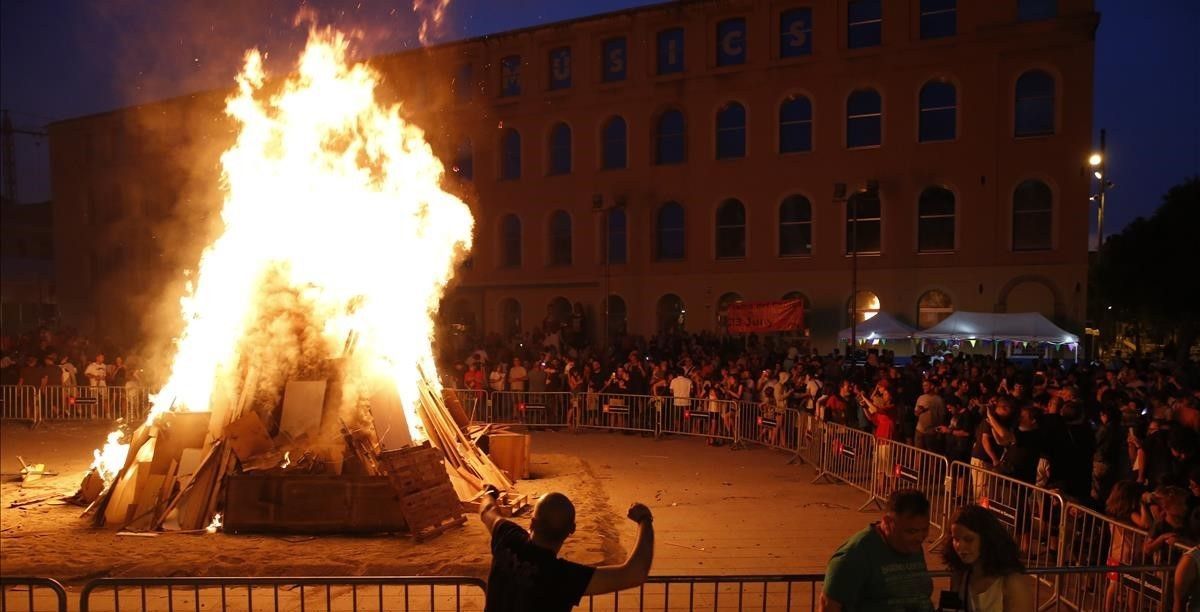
x=754, y=317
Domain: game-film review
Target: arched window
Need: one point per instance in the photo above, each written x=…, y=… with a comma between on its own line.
x=560, y=149
x=795, y=125
x=464, y=160
x=731, y=131
x=864, y=224
x=672, y=315
x=510, y=241
x=795, y=226
x=669, y=232
x=510, y=313
x=616, y=246
x=618, y=316
x=614, y=154
x=510, y=155
x=1034, y=106
x=939, y=112
x=864, y=119
x=558, y=315
x=560, y=238
x=865, y=306
x=1032, y=216
x=731, y=230
x=935, y=220
x=670, y=139
x=723, y=304
x=933, y=306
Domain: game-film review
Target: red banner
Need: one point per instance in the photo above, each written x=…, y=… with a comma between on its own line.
x=747, y=317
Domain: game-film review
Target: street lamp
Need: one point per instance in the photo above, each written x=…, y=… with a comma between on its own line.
x=1099, y=161
x=839, y=195
x=599, y=207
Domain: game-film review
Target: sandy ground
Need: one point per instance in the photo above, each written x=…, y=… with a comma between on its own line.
x=717, y=511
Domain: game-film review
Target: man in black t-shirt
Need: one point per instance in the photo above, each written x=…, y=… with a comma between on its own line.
x=528, y=576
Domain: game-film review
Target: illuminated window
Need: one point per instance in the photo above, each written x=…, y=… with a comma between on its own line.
x=932, y=308
x=866, y=305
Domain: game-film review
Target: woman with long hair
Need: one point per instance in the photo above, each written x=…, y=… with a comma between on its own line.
x=986, y=563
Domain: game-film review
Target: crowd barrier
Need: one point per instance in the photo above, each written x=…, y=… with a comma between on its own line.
x=849, y=455
x=77, y=403
x=902, y=466
x=29, y=593
x=376, y=593
x=530, y=408
x=709, y=418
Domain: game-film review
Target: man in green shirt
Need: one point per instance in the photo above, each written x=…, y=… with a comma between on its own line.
x=883, y=566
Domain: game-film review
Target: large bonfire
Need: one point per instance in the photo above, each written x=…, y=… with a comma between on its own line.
x=337, y=245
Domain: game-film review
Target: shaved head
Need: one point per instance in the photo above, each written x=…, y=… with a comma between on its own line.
x=554, y=518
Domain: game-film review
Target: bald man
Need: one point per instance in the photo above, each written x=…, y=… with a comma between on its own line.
x=528, y=576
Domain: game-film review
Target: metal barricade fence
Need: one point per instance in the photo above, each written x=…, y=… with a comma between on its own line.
x=30, y=593
x=83, y=403
x=1091, y=538
x=19, y=403
x=907, y=467
x=391, y=593
x=530, y=408
x=811, y=432
x=782, y=593
x=473, y=402
x=1032, y=515
x=848, y=455
x=709, y=418
x=758, y=423
x=622, y=412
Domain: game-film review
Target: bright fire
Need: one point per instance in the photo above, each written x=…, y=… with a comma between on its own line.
x=333, y=195
x=215, y=524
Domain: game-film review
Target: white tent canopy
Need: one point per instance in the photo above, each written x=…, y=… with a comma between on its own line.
x=1012, y=326
x=882, y=326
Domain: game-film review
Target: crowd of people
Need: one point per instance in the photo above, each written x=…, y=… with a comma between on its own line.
x=1120, y=437
x=53, y=356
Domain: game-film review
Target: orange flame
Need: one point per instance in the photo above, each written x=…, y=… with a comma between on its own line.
x=339, y=195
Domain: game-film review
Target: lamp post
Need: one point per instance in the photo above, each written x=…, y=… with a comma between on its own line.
x=1099, y=161
x=839, y=195
x=604, y=211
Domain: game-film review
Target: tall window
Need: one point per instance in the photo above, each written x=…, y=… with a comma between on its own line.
x=731, y=131
x=935, y=220
x=618, y=316
x=510, y=76
x=731, y=230
x=464, y=160
x=670, y=139
x=462, y=83
x=510, y=155
x=938, y=18
x=795, y=32
x=616, y=246
x=795, y=125
x=933, y=307
x=1034, y=108
x=560, y=238
x=864, y=23
x=614, y=143
x=731, y=42
x=1036, y=10
x=723, y=303
x=510, y=313
x=560, y=68
x=614, y=61
x=939, y=112
x=864, y=119
x=864, y=221
x=670, y=51
x=669, y=232
x=795, y=226
x=672, y=314
x=510, y=241
x=1033, y=216
x=560, y=149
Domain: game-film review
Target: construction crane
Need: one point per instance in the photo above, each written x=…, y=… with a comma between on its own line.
x=8, y=147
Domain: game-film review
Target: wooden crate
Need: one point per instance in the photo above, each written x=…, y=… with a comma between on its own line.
x=510, y=452
x=427, y=498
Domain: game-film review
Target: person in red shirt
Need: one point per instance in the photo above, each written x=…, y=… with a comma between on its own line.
x=881, y=409
x=474, y=378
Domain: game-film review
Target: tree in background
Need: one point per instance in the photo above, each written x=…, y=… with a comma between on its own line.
x=1149, y=274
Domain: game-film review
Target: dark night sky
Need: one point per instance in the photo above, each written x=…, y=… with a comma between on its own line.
x=66, y=58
